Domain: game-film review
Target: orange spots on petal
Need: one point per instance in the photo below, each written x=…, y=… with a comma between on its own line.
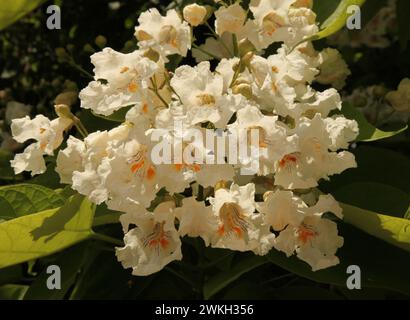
x=136, y=166
x=305, y=234
x=163, y=242
x=151, y=173
x=145, y=108
x=132, y=87
x=124, y=69
x=274, y=69
x=288, y=159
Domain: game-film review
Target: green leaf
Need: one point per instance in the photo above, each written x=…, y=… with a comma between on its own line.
x=22, y=199
x=382, y=265
x=6, y=171
x=12, y=292
x=367, y=132
x=337, y=20
x=393, y=230
x=70, y=262
x=104, y=216
x=11, y=11
x=403, y=9
x=41, y=234
x=375, y=197
x=392, y=169
x=213, y=285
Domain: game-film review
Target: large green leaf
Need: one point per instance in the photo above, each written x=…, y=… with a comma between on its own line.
x=373, y=165
x=22, y=199
x=222, y=279
x=382, y=265
x=41, y=234
x=373, y=196
x=12, y=10
x=367, y=131
x=393, y=230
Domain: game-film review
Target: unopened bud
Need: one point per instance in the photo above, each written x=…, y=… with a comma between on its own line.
x=195, y=14
x=243, y=89
x=63, y=111
x=66, y=98
x=245, y=46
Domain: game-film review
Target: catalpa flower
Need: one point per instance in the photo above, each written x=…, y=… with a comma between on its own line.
x=48, y=135
x=303, y=230
x=120, y=79
x=167, y=35
x=152, y=244
x=240, y=228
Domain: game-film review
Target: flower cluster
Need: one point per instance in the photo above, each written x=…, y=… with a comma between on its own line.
x=301, y=132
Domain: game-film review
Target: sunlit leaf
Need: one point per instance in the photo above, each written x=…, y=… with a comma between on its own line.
x=40, y=234
x=11, y=11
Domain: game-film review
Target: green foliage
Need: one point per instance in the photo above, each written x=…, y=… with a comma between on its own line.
x=11, y=11
x=40, y=234
x=337, y=20
x=23, y=199
x=367, y=132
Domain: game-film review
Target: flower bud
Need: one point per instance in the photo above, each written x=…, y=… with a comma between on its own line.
x=195, y=14
x=243, y=89
x=63, y=111
x=245, y=47
x=66, y=98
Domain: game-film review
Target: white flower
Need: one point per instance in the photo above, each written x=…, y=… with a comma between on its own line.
x=48, y=135
x=333, y=69
x=313, y=238
x=152, y=244
x=125, y=77
x=30, y=160
x=202, y=94
x=196, y=220
x=70, y=159
x=194, y=14
x=281, y=208
x=240, y=228
x=89, y=181
x=178, y=169
x=341, y=131
x=229, y=19
x=274, y=141
x=313, y=161
x=167, y=35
